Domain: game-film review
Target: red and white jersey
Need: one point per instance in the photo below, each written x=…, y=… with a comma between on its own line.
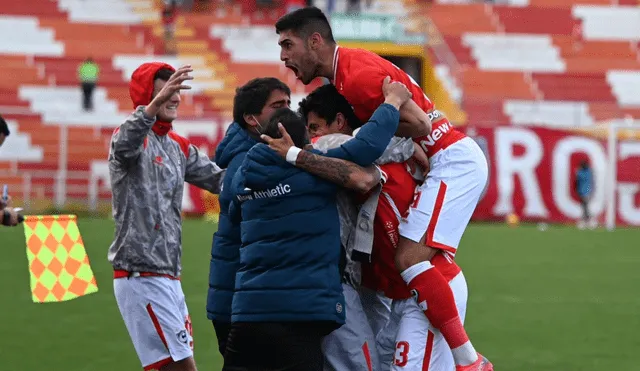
x=359, y=74
x=395, y=199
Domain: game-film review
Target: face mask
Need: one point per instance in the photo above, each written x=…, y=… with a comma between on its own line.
x=259, y=127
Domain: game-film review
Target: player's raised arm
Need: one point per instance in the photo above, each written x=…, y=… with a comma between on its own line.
x=128, y=139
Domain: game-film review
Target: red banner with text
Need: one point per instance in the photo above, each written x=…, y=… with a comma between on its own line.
x=532, y=173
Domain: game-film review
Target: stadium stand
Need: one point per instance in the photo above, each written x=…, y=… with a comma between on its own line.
x=560, y=64
x=572, y=63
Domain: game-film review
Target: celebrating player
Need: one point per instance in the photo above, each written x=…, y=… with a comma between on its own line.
x=442, y=205
x=253, y=106
x=148, y=165
x=328, y=113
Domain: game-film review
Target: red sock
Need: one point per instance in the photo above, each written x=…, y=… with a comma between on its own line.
x=435, y=298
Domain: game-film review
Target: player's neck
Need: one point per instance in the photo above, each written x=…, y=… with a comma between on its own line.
x=328, y=68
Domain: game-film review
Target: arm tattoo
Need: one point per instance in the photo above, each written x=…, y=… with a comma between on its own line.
x=332, y=169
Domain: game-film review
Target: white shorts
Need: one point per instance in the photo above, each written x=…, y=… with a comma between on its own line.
x=353, y=346
x=377, y=307
x=157, y=318
x=444, y=203
x=411, y=343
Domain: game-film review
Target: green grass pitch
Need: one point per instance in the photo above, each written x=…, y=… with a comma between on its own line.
x=562, y=299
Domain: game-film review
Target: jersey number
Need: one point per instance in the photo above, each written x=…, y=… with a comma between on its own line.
x=402, y=354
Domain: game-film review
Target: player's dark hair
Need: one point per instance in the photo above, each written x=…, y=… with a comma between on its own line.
x=162, y=74
x=304, y=22
x=4, y=128
x=252, y=96
x=292, y=122
x=327, y=102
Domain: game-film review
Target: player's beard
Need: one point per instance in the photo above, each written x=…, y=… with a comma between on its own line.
x=307, y=77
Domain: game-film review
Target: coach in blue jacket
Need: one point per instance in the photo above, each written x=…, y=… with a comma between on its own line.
x=254, y=104
x=288, y=287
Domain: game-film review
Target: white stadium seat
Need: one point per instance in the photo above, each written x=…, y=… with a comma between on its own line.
x=514, y=52
x=27, y=37
x=557, y=114
x=625, y=86
x=109, y=12
x=19, y=148
x=609, y=22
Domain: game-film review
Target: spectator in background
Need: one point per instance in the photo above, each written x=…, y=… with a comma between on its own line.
x=584, y=189
x=88, y=73
x=353, y=6
x=169, y=15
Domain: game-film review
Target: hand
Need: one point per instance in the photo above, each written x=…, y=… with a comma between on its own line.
x=395, y=93
x=420, y=157
x=172, y=86
x=280, y=145
x=12, y=219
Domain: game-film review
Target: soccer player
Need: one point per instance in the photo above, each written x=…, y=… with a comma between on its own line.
x=254, y=103
x=288, y=278
x=148, y=165
x=328, y=113
x=443, y=204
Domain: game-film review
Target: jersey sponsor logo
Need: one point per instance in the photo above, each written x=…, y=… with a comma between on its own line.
x=279, y=190
x=434, y=115
x=435, y=136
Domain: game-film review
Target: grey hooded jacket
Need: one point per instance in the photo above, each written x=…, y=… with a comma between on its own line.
x=148, y=171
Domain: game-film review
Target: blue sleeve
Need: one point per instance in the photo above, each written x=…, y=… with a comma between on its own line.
x=371, y=140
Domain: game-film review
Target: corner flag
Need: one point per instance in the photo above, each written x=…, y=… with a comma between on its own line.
x=58, y=263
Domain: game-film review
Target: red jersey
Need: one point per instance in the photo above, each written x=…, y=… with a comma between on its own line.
x=396, y=197
x=358, y=75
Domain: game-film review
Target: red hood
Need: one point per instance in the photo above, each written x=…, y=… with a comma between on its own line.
x=141, y=89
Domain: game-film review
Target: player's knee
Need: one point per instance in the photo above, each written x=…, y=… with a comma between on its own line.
x=410, y=253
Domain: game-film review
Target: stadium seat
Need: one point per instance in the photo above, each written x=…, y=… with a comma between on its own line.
x=27, y=37
x=514, y=52
x=112, y=11
x=19, y=148
x=609, y=22
x=626, y=87
x=548, y=113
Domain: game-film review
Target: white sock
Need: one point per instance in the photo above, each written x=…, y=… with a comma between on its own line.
x=465, y=354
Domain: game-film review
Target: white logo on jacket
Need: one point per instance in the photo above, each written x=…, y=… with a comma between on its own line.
x=279, y=190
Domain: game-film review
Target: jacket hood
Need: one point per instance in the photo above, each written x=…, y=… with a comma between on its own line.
x=235, y=141
x=264, y=168
x=141, y=89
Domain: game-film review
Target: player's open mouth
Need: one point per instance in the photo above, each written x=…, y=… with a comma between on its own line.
x=172, y=107
x=294, y=69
